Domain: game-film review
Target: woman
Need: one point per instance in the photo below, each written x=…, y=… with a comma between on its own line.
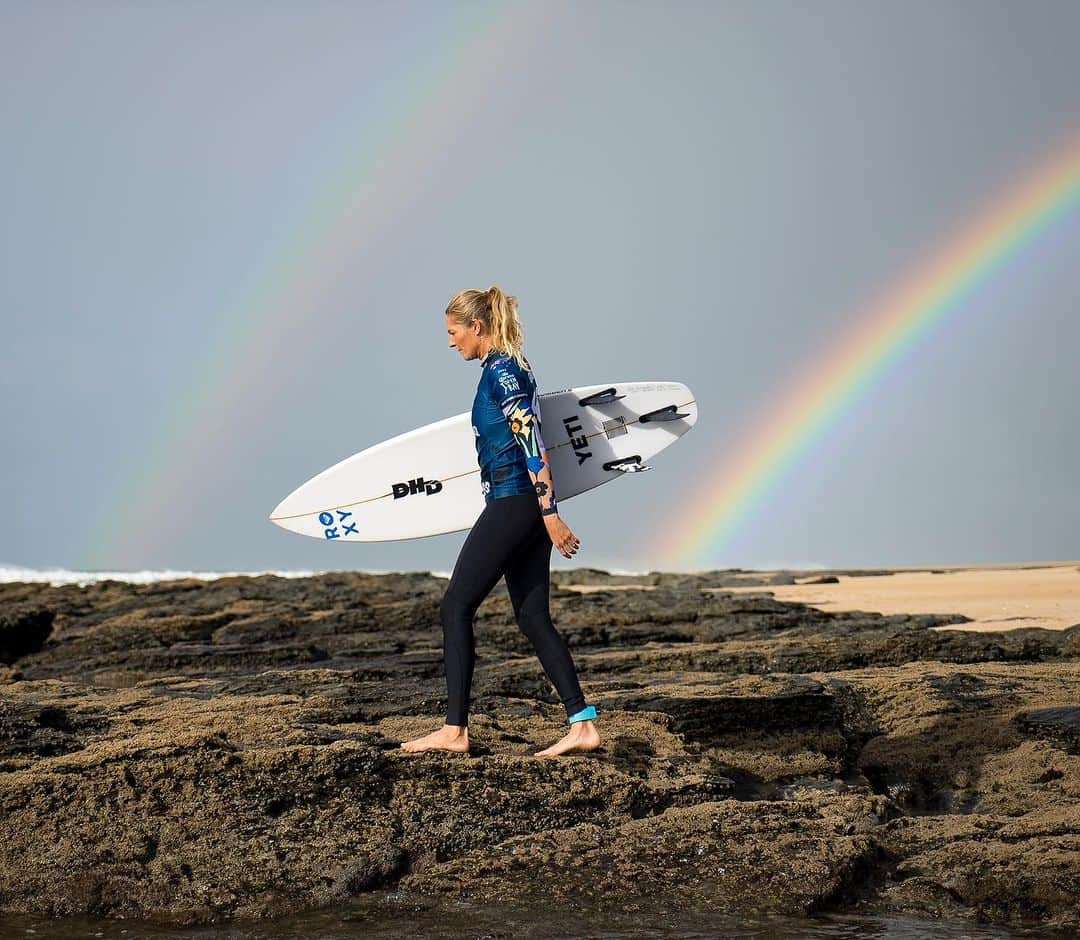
x=515, y=532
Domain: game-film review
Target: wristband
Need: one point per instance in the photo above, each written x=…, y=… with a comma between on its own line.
x=551, y=511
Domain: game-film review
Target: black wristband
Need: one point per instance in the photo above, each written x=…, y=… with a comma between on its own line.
x=552, y=511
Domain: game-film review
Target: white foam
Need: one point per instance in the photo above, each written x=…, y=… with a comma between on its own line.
x=60, y=576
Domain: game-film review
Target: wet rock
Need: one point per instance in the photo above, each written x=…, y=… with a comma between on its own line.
x=792, y=857
x=965, y=865
x=192, y=808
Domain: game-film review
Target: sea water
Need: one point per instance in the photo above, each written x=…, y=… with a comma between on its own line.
x=389, y=915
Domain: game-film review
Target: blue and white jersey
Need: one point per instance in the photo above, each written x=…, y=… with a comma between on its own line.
x=505, y=390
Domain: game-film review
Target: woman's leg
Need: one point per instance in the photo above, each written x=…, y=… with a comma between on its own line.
x=528, y=579
x=500, y=531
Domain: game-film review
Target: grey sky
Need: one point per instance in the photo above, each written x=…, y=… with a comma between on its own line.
x=707, y=192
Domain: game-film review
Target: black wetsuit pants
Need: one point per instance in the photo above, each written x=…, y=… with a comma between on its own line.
x=509, y=539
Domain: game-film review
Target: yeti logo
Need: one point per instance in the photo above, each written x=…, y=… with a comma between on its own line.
x=580, y=442
x=412, y=487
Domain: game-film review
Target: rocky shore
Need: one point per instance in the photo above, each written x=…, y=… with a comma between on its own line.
x=193, y=751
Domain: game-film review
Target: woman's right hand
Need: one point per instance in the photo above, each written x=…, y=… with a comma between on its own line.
x=561, y=537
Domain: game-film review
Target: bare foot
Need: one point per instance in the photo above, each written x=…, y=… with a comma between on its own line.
x=447, y=738
x=583, y=736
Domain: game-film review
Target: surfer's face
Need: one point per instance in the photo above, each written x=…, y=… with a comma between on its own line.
x=465, y=338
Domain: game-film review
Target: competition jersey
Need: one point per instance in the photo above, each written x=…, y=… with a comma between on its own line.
x=503, y=385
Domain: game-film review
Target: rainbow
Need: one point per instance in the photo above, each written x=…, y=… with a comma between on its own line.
x=883, y=334
x=281, y=307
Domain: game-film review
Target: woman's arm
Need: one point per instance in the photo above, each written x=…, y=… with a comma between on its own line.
x=525, y=426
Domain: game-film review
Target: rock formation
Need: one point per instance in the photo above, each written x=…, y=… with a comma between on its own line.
x=195, y=751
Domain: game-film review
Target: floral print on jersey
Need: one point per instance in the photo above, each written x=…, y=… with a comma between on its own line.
x=506, y=419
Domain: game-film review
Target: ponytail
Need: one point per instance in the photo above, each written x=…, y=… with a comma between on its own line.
x=497, y=313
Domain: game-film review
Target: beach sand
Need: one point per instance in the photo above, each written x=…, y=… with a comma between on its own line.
x=997, y=597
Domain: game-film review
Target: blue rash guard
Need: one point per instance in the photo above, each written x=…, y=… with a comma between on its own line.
x=504, y=467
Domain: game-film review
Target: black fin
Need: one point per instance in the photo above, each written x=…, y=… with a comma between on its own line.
x=599, y=398
x=670, y=413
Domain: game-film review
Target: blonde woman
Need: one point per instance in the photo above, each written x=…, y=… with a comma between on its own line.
x=515, y=532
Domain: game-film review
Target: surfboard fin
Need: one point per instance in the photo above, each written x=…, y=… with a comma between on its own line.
x=627, y=465
x=599, y=398
x=670, y=413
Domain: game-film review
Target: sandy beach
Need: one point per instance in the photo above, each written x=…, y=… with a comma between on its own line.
x=994, y=597
x=1009, y=597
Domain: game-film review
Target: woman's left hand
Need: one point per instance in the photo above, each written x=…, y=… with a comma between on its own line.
x=561, y=537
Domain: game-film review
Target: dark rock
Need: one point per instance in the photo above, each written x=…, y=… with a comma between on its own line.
x=1058, y=724
x=23, y=630
x=29, y=730
x=716, y=856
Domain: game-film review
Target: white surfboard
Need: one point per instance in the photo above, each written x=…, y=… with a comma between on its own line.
x=427, y=482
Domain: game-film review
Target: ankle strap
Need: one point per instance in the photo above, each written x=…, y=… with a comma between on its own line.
x=586, y=714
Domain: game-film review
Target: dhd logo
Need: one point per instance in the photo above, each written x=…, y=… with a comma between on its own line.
x=412, y=487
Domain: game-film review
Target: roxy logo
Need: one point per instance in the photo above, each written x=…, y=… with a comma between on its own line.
x=412, y=487
x=580, y=442
x=326, y=519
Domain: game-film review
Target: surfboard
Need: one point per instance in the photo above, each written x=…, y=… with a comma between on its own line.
x=427, y=482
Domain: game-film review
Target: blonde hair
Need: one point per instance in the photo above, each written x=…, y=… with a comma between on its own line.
x=498, y=318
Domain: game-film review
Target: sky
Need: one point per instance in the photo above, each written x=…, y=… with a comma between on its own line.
x=231, y=231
